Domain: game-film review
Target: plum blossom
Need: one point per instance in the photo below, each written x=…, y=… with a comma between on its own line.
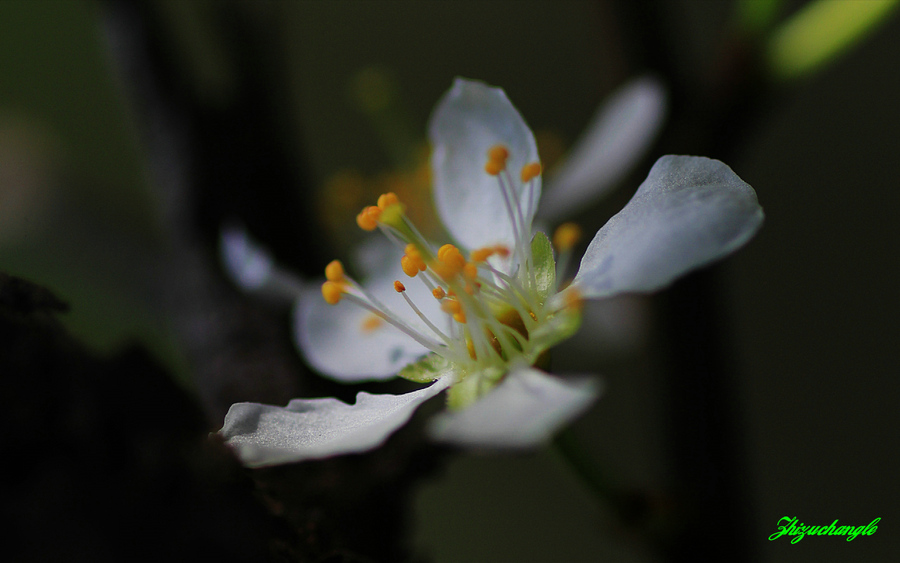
x=476, y=317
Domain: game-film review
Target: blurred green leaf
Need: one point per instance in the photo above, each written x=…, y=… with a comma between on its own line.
x=820, y=31
x=755, y=16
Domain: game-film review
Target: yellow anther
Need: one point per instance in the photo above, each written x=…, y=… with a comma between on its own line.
x=409, y=266
x=481, y=254
x=414, y=257
x=452, y=257
x=442, y=251
x=368, y=218
x=442, y=270
x=371, y=322
x=460, y=317
x=499, y=153
x=470, y=270
x=438, y=293
x=387, y=199
x=334, y=271
x=566, y=236
x=530, y=171
x=493, y=167
x=332, y=292
x=399, y=287
x=451, y=306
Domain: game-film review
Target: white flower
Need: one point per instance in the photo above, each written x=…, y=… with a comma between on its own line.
x=479, y=314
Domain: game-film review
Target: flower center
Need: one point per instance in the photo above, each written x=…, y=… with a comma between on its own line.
x=493, y=298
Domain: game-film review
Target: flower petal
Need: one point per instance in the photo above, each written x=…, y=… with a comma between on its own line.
x=244, y=260
x=689, y=211
x=470, y=119
x=251, y=267
x=619, y=134
x=318, y=428
x=349, y=344
x=523, y=411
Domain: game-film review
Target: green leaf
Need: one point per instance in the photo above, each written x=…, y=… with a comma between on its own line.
x=820, y=31
x=544, y=265
x=756, y=16
x=427, y=369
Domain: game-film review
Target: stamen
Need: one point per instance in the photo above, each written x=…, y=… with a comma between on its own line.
x=431, y=325
x=334, y=271
x=332, y=292
x=493, y=167
x=409, y=267
x=371, y=323
x=368, y=218
x=439, y=293
x=481, y=254
x=566, y=236
x=496, y=163
x=499, y=153
x=530, y=171
x=384, y=200
x=399, y=287
x=435, y=347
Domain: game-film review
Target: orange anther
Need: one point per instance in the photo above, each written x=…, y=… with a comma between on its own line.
x=399, y=287
x=481, y=254
x=502, y=250
x=566, y=236
x=409, y=266
x=371, y=322
x=452, y=257
x=438, y=293
x=530, y=171
x=451, y=306
x=387, y=199
x=334, y=271
x=494, y=167
x=442, y=251
x=498, y=153
x=368, y=218
x=332, y=292
x=470, y=270
x=459, y=317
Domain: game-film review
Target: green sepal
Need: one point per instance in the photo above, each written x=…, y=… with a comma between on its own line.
x=544, y=265
x=473, y=386
x=427, y=369
x=555, y=329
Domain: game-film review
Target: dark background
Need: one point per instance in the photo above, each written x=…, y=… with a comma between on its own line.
x=130, y=133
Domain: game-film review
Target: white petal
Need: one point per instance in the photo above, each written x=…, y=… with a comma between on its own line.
x=319, y=428
x=688, y=212
x=245, y=261
x=335, y=341
x=251, y=267
x=618, y=136
x=470, y=119
x=524, y=411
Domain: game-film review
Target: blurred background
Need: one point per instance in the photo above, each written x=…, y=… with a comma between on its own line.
x=131, y=134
